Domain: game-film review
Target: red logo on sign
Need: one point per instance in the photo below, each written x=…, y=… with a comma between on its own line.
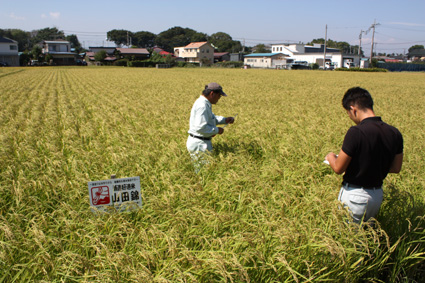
x=100, y=195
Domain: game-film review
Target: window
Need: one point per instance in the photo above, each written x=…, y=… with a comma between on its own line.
x=13, y=47
x=208, y=51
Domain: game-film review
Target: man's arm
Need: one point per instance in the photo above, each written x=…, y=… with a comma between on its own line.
x=338, y=163
x=202, y=124
x=396, y=165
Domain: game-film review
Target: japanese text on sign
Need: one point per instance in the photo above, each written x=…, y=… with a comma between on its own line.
x=122, y=194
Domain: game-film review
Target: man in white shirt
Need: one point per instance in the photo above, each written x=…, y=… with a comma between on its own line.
x=203, y=122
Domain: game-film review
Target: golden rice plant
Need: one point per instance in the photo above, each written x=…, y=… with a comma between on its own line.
x=264, y=210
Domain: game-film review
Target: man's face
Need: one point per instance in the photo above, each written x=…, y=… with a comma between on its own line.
x=214, y=97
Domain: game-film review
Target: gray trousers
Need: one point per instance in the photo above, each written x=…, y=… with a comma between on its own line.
x=362, y=203
x=198, y=150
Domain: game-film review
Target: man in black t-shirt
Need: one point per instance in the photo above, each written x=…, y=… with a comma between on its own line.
x=370, y=151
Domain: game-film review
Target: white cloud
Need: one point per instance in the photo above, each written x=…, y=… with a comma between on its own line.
x=52, y=15
x=55, y=15
x=15, y=17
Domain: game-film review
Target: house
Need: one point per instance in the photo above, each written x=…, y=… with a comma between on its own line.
x=9, y=52
x=134, y=53
x=59, y=52
x=196, y=52
x=110, y=54
x=161, y=52
x=236, y=57
x=221, y=56
x=265, y=60
x=315, y=54
x=109, y=50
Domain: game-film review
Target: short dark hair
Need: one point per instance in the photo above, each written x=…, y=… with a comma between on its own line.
x=207, y=91
x=357, y=96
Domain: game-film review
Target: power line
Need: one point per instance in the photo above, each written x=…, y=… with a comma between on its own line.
x=403, y=29
x=400, y=43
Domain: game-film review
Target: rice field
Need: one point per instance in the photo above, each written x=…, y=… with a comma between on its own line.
x=264, y=210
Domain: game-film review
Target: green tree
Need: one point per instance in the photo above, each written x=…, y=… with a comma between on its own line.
x=46, y=34
x=100, y=56
x=261, y=48
x=155, y=57
x=75, y=43
x=24, y=58
x=36, y=52
x=178, y=36
x=345, y=47
x=415, y=47
x=169, y=60
x=224, y=42
x=22, y=37
x=144, y=39
x=120, y=37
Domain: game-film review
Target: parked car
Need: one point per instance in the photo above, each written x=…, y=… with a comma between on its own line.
x=81, y=62
x=348, y=64
x=329, y=65
x=300, y=65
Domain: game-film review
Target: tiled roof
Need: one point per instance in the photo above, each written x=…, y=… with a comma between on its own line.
x=165, y=53
x=312, y=49
x=195, y=44
x=6, y=40
x=220, y=53
x=264, y=54
x=60, y=41
x=141, y=51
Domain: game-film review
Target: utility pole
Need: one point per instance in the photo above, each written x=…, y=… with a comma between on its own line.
x=373, y=39
x=324, y=48
x=360, y=45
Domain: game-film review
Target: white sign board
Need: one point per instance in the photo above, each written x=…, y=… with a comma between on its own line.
x=121, y=194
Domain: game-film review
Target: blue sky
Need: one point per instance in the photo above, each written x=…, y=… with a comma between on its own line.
x=401, y=23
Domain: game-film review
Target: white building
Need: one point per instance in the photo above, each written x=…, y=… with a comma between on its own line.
x=265, y=60
x=9, y=51
x=315, y=54
x=60, y=52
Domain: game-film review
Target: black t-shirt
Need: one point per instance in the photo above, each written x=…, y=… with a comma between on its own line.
x=372, y=145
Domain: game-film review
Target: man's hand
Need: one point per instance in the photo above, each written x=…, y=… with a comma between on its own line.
x=230, y=120
x=220, y=130
x=338, y=163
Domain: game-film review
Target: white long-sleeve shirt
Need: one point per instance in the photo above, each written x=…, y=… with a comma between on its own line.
x=202, y=120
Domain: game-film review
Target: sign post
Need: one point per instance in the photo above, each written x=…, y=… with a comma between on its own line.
x=121, y=194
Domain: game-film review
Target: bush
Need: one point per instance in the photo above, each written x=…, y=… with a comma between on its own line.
x=361, y=70
x=187, y=64
x=122, y=62
x=229, y=64
x=141, y=64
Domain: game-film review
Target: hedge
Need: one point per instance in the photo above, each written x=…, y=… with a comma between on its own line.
x=361, y=70
x=229, y=64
